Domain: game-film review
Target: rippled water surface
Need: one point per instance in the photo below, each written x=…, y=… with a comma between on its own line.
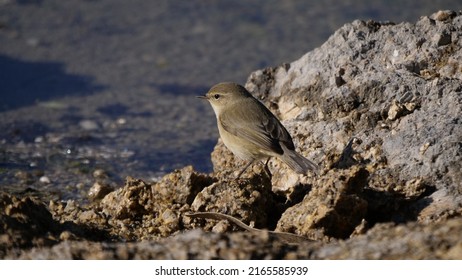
x=109, y=85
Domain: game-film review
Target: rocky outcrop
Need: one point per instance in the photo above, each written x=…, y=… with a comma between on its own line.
x=396, y=90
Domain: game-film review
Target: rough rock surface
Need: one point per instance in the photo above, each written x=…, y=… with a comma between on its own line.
x=378, y=106
x=412, y=241
x=251, y=201
x=396, y=88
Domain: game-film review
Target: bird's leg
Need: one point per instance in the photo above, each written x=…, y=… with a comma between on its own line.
x=266, y=168
x=245, y=168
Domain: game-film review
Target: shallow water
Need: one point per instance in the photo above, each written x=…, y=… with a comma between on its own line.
x=110, y=84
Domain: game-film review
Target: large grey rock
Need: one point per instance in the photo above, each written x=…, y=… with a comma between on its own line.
x=396, y=87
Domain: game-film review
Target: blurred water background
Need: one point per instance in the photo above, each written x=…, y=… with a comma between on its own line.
x=105, y=88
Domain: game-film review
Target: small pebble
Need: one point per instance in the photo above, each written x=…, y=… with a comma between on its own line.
x=80, y=186
x=38, y=139
x=443, y=15
x=221, y=227
x=99, y=191
x=66, y=235
x=89, y=125
x=395, y=111
x=22, y=175
x=44, y=180
x=100, y=173
x=169, y=216
x=121, y=121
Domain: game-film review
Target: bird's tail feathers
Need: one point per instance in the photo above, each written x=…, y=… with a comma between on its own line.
x=297, y=162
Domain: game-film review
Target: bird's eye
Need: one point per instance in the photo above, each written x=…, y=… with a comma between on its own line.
x=216, y=96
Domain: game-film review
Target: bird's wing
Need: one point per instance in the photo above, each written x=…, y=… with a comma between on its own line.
x=264, y=131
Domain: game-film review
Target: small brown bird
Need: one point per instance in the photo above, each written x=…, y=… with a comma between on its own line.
x=250, y=130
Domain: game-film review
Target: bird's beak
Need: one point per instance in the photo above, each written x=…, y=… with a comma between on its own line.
x=202, y=97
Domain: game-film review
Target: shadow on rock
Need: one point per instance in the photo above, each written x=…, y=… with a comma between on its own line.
x=26, y=222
